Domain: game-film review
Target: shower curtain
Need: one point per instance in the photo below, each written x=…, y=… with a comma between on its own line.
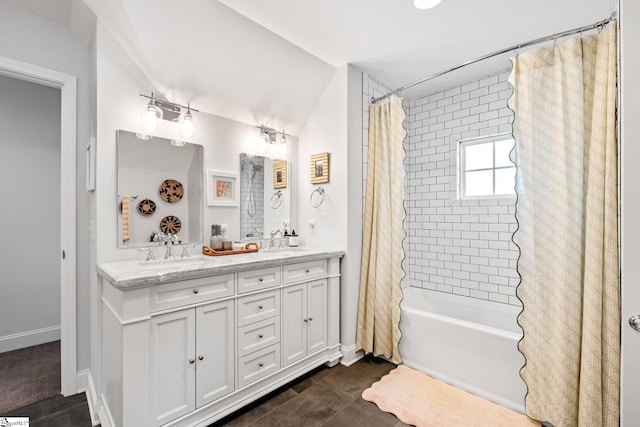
x=566, y=155
x=378, y=329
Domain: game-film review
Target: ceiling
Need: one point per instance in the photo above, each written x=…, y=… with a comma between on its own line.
x=268, y=62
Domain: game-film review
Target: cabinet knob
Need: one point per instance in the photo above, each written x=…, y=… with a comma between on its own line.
x=260, y=279
x=195, y=291
x=260, y=336
x=260, y=307
x=261, y=364
x=192, y=361
x=201, y=357
x=307, y=271
x=310, y=319
x=305, y=320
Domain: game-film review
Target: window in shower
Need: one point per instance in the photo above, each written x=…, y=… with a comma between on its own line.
x=486, y=171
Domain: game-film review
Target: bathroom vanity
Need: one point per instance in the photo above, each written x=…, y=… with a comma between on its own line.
x=186, y=342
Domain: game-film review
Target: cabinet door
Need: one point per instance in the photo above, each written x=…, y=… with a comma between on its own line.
x=294, y=325
x=172, y=365
x=316, y=315
x=214, y=351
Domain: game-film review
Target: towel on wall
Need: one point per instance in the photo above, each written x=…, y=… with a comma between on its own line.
x=126, y=209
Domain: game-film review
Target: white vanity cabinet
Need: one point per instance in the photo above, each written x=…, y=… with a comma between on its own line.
x=192, y=359
x=187, y=352
x=304, y=319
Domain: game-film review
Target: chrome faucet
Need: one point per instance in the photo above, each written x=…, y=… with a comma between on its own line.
x=273, y=235
x=169, y=240
x=150, y=254
x=185, y=250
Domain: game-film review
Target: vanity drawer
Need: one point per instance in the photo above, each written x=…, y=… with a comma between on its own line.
x=253, y=308
x=258, y=365
x=304, y=271
x=170, y=295
x=253, y=280
x=259, y=335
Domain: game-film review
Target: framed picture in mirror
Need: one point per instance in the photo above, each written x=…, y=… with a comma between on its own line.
x=222, y=188
x=320, y=168
x=279, y=174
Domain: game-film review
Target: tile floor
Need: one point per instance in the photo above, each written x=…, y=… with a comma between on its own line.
x=58, y=411
x=328, y=397
x=325, y=397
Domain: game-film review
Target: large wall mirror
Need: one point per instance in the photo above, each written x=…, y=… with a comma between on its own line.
x=265, y=196
x=159, y=190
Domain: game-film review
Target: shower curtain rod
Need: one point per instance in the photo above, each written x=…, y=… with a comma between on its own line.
x=556, y=36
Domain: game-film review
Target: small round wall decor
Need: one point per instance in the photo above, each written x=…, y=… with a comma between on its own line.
x=171, y=190
x=146, y=207
x=170, y=224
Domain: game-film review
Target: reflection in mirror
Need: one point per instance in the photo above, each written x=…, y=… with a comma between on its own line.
x=264, y=196
x=159, y=190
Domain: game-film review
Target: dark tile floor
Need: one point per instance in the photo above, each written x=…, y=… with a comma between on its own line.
x=56, y=412
x=326, y=397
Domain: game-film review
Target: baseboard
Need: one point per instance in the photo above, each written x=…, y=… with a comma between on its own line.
x=350, y=355
x=29, y=338
x=85, y=385
x=106, y=419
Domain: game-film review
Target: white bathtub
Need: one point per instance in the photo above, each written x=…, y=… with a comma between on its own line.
x=468, y=343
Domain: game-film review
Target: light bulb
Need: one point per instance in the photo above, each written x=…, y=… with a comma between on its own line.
x=425, y=4
x=150, y=117
x=263, y=140
x=187, y=126
x=282, y=146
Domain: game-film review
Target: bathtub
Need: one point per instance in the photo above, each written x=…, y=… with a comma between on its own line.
x=468, y=343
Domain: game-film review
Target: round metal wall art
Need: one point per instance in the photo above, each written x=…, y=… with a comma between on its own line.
x=171, y=190
x=170, y=224
x=146, y=207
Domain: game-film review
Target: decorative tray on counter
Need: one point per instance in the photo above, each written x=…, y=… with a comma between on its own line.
x=248, y=248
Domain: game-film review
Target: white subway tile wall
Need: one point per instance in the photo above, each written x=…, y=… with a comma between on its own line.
x=252, y=210
x=456, y=246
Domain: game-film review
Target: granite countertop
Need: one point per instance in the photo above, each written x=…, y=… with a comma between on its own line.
x=133, y=274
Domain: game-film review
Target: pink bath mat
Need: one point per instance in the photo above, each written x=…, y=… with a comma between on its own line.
x=422, y=401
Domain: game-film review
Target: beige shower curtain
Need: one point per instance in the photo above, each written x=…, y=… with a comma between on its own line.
x=565, y=127
x=382, y=252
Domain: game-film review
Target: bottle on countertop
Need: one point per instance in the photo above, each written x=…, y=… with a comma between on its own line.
x=216, y=237
x=293, y=239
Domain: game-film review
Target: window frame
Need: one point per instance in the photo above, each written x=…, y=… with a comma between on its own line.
x=490, y=139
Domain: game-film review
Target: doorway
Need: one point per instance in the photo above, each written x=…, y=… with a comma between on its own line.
x=66, y=249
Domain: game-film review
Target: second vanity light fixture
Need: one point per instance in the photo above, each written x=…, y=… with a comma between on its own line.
x=268, y=137
x=154, y=111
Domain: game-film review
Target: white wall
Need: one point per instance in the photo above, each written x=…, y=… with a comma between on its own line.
x=39, y=41
x=335, y=126
x=30, y=223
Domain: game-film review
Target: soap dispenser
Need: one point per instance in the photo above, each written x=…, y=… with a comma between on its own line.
x=293, y=239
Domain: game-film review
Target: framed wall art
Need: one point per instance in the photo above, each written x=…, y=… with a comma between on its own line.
x=320, y=168
x=222, y=189
x=279, y=174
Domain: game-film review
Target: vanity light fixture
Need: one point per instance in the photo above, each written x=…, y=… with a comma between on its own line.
x=425, y=4
x=156, y=110
x=268, y=137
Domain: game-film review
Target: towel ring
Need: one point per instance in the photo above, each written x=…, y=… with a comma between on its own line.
x=276, y=199
x=320, y=191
